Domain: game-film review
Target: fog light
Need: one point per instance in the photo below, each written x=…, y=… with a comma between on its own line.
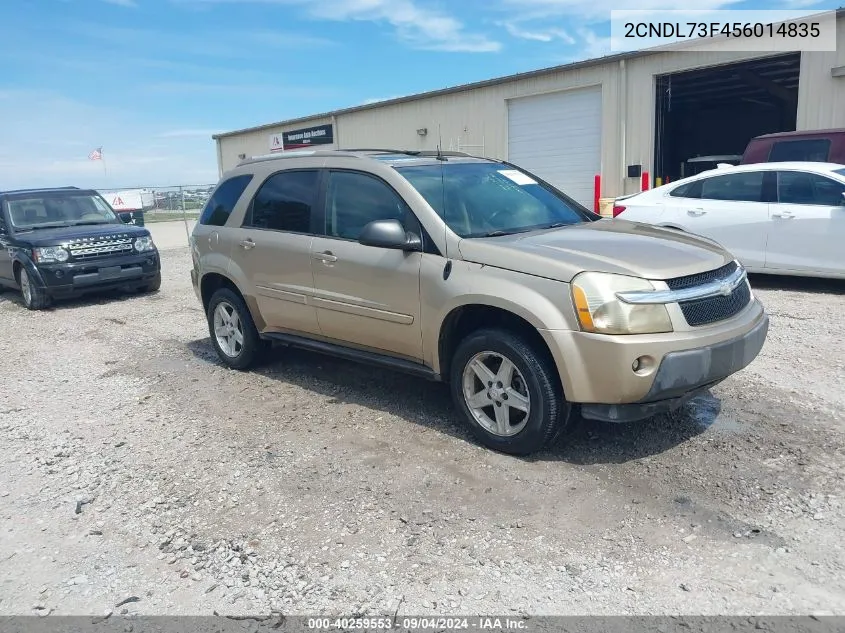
x=643, y=365
x=59, y=274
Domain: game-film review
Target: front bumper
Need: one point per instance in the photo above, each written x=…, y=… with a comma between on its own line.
x=597, y=371
x=73, y=278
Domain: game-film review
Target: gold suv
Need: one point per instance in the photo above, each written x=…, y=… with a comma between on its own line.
x=474, y=272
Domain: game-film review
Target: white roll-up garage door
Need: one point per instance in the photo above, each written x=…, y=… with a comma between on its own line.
x=558, y=137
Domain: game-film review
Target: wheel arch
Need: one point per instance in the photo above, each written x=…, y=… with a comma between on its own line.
x=466, y=318
x=212, y=281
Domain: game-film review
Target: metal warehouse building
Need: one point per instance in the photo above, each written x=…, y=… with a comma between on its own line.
x=616, y=116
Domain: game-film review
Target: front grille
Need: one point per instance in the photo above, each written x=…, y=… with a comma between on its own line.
x=712, y=309
x=101, y=247
x=679, y=283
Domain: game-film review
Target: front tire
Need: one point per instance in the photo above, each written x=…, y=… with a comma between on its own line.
x=154, y=285
x=34, y=297
x=508, y=392
x=233, y=332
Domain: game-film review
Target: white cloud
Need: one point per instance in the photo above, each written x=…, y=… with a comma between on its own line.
x=123, y=3
x=422, y=27
x=589, y=11
x=41, y=149
x=186, y=133
x=546, y=35
x=379, y=99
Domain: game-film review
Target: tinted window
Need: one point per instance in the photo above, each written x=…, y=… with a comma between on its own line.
x=479, y=198
x=226, y=196
x=354, y=200
x=796, y=187
x=284, y=202
x=689, y=190
x=813, y=150
x=744, y=187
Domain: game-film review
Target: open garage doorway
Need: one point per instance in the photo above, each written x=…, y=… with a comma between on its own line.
x=714, y=112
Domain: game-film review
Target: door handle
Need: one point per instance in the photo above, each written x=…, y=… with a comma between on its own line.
x=326, y=257
x=786, y=215
x=696, y=212
x=247, y=243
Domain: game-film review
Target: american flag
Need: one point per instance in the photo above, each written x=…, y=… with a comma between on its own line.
x=97, y=154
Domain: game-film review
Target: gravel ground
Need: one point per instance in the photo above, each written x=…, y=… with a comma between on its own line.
x=136, y=467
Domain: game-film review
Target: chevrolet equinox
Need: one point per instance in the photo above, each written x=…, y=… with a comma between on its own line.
x=473, y=272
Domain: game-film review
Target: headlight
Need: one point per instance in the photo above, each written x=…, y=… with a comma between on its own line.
x=599, y=310
x=47, y=254
x=143, y=244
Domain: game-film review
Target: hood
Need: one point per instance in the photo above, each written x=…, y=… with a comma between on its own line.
x=612, y=246
x=62, y=234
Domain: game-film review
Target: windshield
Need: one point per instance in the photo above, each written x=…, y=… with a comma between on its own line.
x=841, y=172
x=51, y=210
x=488, y=199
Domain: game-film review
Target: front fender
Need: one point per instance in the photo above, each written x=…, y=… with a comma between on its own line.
x=543, y=303
x=22, y=259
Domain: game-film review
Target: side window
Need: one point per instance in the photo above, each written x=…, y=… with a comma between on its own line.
x=746, y=186
x=353, y=200
x=285, y=201
x=688, y=190
x=797, y=187
x=815, y=150
x=219, y=207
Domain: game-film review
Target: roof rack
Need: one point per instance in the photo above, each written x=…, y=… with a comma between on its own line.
x=409, y=152
x=32, y=189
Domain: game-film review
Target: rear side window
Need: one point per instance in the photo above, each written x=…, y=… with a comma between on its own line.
x=285, y=201
x=745, y=186
x=797, y=187
x=219, y=207
x=815, y=150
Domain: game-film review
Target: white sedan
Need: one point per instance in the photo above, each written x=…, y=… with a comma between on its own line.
x=776, y=218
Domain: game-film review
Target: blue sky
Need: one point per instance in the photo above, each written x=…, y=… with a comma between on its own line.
x=151, y=80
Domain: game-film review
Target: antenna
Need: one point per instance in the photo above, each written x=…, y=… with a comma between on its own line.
x=439, y=143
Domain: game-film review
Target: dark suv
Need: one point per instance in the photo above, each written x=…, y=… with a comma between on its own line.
x=64, y=242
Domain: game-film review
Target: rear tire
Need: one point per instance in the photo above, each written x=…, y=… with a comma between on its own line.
x=34, y=297
x=233, y=332
x=516, y=377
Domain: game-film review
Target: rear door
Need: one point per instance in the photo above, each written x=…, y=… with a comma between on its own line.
x=6, y=270
x=807, y=228
x=273, y=250
x=729, y=208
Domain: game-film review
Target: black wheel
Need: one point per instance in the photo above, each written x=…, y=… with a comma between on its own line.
x=34, y=297
x=508, y=392
x=232, y=330
x=154, y=285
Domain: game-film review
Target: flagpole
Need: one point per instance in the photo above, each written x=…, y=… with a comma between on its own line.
x=105, y=170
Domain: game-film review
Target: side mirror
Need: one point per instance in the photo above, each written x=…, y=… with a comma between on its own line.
x=389, y=234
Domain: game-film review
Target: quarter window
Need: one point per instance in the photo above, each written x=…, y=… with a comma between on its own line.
x=353, y=200
x=285, y=201
x=797, y=187
x=689, y=190
x=746, y=186
x=219, y=207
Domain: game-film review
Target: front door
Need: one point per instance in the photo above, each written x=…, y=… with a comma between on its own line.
x=807, y=229
x=273, y=250
x=728, y=208
x=366, y=296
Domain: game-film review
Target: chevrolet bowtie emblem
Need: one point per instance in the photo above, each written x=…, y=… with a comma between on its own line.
x=725, y=288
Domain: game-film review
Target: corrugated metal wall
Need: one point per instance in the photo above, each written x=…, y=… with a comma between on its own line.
x=476, y=120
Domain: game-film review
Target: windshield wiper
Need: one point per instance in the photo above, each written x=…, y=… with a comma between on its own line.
x=44, y=226
x=499, y=233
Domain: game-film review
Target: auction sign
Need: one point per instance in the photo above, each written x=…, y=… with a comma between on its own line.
x=299, y=139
